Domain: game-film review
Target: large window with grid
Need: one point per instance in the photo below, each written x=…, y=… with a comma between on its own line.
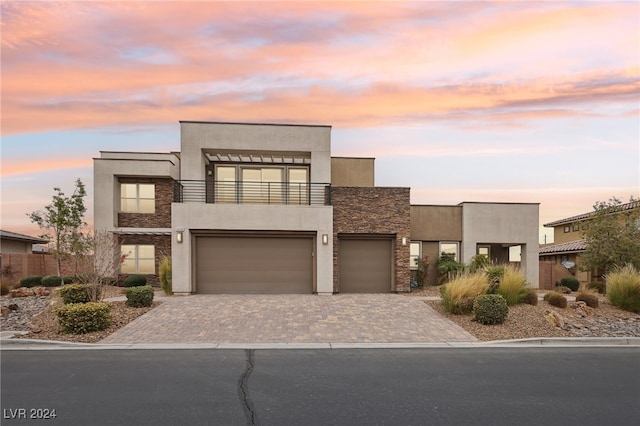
x=137, y=197
x=138, y=259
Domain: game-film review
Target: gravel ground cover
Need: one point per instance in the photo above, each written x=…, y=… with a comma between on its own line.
x=35, y=315
x=527, y=321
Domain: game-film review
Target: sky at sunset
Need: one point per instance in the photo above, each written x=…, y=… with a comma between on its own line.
x=461, y=101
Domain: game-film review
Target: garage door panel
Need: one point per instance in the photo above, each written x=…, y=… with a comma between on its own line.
x=254, y=265
x=365, y=265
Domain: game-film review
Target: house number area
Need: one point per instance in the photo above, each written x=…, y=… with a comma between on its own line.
x=28, y=413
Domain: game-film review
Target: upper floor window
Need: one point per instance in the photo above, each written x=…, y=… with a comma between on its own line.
x=567, y=229
x=137, y=198
x=255, y=184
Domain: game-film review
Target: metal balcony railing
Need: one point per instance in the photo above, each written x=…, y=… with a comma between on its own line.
x=243, y=192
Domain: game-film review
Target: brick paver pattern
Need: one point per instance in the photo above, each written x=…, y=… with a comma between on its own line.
x=344, y=318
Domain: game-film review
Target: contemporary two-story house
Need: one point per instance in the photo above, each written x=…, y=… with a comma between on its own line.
x=264, y=208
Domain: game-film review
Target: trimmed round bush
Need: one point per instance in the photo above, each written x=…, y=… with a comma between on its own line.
x=139, y=296
x=600, y=286
x=490, y=309
x=570, y=282
x=74, y=293
x=530, y=297
x=589, y=298
x=52, y=281
x=556, y=299
x=31, y=281
x=135, y=281
x=80, y=318
x=69, y=279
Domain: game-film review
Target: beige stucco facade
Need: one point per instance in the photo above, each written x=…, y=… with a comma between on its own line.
x=507, y=224
x=352, y=171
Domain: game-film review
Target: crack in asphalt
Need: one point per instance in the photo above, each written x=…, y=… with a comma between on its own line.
x=243, y=389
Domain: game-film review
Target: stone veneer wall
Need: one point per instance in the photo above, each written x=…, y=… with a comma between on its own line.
x=162, y=216
x=162, y=244
x=370, y=211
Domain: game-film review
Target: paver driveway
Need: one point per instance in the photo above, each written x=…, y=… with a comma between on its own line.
x=345, y=318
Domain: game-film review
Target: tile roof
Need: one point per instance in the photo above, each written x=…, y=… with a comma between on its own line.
x=621, y=207
x=568, y=247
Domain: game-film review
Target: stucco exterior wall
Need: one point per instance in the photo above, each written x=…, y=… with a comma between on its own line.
x=106, y=172
x=196, y=138
x=503, y=223
x=10, y=246
x=436, y=223
x=349, y=171
x=245, y=217
x=369, y=211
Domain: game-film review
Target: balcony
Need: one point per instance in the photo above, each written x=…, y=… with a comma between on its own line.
x=264, y=193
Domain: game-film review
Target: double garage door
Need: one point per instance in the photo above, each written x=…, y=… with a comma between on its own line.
x=254, y=264
x=284, y=264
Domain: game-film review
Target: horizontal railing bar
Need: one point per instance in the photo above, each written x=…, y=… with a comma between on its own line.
x=252, y=192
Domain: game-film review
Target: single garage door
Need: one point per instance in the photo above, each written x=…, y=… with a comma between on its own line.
x=365, y=265
x=254, y=265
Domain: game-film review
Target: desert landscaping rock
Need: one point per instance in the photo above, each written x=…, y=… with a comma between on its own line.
x=20, y=312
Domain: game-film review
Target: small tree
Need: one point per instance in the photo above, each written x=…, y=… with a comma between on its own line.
x=107, y=259
x=612, y=236
x=61, y=220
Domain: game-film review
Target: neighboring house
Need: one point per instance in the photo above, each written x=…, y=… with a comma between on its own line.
x=11, y=242
x=16, y=255
x=264, y=208
x=562, y=258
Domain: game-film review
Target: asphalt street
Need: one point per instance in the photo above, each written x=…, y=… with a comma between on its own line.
x=429, y=386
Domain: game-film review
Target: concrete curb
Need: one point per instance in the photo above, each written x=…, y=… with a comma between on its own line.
x=34, y=344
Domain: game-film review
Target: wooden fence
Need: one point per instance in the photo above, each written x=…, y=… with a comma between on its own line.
x=16, y=266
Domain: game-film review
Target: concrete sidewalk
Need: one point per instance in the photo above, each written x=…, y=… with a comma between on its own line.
x=291, y=319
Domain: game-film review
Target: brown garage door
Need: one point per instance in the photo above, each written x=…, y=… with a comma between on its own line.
x=365, y=265
x=254, y=265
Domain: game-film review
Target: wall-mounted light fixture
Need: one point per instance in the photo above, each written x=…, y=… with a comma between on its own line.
x=325, y=239
x=179, y=235
x=404, y=241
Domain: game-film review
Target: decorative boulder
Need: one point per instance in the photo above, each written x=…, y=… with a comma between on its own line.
x=22, y=292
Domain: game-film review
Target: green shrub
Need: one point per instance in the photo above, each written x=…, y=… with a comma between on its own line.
x=570, y=282
x=69, y=280
x=556, y=299
x=494, y=275
x=80, y=318
x=31, y=281
x=139, y=296
x=490, y=309
x=458, y=294
x=589, y=298
x=74, y=293
x=479, y=262
x=135, y=281
x=52, y=281
x=530, y=297
x=563, y=289
x=600, y=286
x=623, y=288
x=164, y=275
x=513, y=285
